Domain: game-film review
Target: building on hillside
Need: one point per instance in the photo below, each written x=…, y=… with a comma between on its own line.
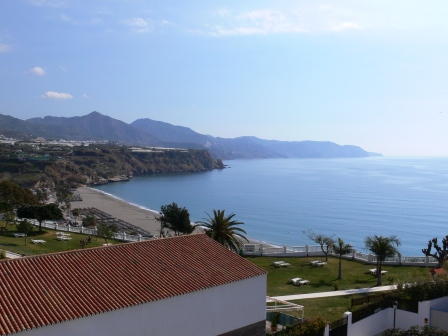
x=188, y=285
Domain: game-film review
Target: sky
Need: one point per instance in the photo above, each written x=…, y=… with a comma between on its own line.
x=369, y=73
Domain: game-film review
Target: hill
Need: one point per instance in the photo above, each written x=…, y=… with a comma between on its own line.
x=146, y=132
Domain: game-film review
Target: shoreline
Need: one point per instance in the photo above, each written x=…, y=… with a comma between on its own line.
x=128, y=212
x=118, y=208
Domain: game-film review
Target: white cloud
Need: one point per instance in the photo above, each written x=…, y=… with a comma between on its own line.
x=345, y=26
x=295, y=17
x=49, y=3
x=57, y=95
x=139, y=25
x=4, y=48
x=261, y=21
x=37, y=71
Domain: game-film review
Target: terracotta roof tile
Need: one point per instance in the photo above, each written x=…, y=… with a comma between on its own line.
x=52, y=288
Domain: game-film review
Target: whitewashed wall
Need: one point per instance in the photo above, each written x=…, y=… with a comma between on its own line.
x=435, y=311
x=208, y=312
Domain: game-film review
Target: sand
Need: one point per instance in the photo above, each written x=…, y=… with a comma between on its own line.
x=127, y=212
x=92, y=198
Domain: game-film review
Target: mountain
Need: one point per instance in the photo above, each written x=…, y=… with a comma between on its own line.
x=147, y=132
x=249, y=146
x=96, y=126
x=225, y=149
x=312, y=149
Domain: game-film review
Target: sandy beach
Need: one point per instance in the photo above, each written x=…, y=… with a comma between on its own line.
x=92, y=198
x=127, y=212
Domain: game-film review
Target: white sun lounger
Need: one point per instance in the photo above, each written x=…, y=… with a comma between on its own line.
x=281, y=264
x=38, y=241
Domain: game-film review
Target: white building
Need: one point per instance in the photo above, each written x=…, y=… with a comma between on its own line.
x=188, y=285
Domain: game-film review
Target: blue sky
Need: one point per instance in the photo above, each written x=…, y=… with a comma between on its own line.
x=367, y=73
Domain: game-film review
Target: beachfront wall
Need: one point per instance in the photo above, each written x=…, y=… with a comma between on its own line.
x=237, y=308
x=316, y=251
x=434, y=313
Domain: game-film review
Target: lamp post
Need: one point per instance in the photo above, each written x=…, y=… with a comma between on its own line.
x=395, y=306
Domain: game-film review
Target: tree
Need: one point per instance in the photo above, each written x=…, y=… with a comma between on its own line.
x=6, y=210
x=41, y=195
x=106, y=230
x=176, y=219
x=440, y=253
x=15, y=195
x=40, y=212
x=25, y=226
x=89, y=221
x=325, y=242
x=76, y=212
x=63, y=194
x=341, y=248
x=224, y=229
x=382, y=247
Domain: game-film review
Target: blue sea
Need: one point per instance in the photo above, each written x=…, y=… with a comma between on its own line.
x=277, y=199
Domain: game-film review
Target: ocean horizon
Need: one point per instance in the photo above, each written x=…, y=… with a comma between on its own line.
x=278, y=199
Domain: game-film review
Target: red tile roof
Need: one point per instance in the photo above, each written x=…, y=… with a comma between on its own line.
x=47, y=289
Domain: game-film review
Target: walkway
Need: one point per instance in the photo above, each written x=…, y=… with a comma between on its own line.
x=335, y=293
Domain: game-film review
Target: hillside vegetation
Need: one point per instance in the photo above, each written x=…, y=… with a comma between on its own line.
x=44, y=165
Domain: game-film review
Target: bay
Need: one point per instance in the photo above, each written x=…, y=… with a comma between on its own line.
x=278, y=199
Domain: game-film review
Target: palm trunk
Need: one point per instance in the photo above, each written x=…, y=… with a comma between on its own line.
x=379, y=275
x=340, y=267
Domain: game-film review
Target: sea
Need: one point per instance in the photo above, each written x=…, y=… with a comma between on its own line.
x=280, y=200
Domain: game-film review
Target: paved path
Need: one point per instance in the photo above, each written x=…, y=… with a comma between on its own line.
x=336, y=293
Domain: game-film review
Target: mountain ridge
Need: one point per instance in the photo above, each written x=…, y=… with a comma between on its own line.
x=148, y=132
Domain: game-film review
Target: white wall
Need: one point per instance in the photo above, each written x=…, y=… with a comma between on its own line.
x=208, y=312
x=372, y=325
x=384, y=319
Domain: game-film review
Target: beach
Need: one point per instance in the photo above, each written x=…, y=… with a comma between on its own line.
x=117, y=208
x=144, y=218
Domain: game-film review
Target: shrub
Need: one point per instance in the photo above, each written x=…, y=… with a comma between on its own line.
x=416, y=331
x=309, y=327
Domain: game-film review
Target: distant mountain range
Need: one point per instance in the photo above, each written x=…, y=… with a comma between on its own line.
x=147, y=132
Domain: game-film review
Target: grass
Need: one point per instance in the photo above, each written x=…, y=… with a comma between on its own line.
x=10, y=243
x=323, y=279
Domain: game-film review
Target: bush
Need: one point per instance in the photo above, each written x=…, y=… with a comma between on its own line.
x=416, y=331
x=25, y=226
x=309, y=327
x=2, y=254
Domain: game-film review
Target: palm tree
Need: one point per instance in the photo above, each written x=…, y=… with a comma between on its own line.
x=224, y=229
x=341, y=248
x=382, y=247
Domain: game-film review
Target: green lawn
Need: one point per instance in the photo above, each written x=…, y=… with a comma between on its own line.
x=323, y=279
x=9, y=243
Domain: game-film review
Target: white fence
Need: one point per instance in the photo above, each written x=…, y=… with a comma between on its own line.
x=82, y=230
x=316, y=251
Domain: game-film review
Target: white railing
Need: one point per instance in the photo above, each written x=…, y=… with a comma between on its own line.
x=87, y=231
x=316, y=251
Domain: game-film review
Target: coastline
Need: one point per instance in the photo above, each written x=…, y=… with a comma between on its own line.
x=128, y=212
x=118, y=208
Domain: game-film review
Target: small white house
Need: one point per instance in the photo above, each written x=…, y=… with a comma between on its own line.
x=189, y=285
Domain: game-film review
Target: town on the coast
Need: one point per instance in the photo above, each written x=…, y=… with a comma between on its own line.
x=75, y=258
